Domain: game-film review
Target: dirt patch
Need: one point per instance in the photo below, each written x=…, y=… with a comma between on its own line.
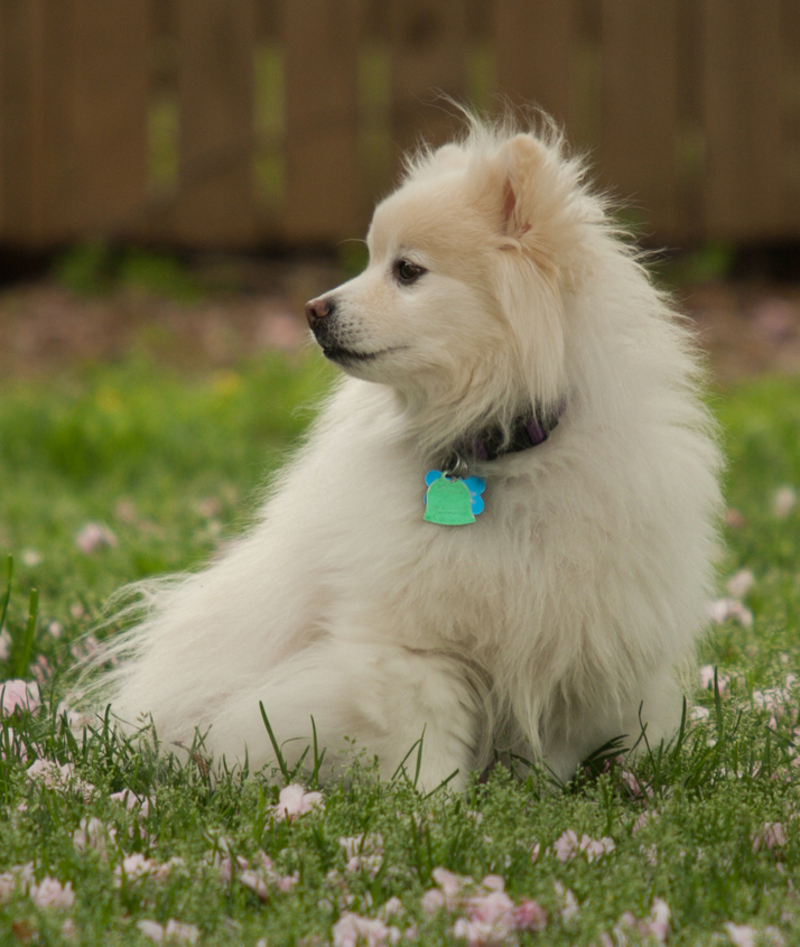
x=747, y=328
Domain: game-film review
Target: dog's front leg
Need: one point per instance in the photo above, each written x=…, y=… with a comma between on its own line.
x=413, y=710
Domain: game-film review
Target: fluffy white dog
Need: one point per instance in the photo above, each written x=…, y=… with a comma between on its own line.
x=510, y=361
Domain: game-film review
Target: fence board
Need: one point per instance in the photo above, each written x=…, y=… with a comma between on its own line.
x=534, y=43
x=109, y=118
x=22, y=34
x=324, y=182
x=216, y=41
x=640, y=104
x=694, y=109
x=428, y=46
x=742, y=117
x=3, y=112
x=790, y=146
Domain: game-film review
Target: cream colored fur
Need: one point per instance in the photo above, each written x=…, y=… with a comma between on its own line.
x=546, y=625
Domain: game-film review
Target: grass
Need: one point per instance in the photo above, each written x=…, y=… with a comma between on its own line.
x=171, y=468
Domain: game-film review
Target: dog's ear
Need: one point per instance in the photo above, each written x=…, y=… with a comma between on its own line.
x=521, y=159
x=526, y=205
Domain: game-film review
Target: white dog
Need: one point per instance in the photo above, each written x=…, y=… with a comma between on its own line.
x=508, y=360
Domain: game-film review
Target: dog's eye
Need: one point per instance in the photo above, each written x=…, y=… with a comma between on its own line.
x=407, y=272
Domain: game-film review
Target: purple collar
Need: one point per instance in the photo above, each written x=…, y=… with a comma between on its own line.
x=528, y=430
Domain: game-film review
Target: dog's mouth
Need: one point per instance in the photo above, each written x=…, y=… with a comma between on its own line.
x=337, y=353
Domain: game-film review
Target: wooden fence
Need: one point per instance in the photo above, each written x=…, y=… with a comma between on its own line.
x=246, y=123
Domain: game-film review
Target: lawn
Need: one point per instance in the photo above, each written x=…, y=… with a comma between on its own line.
x=110, y=474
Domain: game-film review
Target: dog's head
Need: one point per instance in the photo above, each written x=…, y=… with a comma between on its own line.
x=461, y=302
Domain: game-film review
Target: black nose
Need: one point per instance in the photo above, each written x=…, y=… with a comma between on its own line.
x=317, y=310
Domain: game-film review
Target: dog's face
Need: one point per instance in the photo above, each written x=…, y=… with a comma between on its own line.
x=462, y=285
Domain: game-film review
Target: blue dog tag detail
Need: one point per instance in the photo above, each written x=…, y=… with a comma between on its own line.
x=452, y=501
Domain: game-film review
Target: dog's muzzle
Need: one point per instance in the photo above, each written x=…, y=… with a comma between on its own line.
x=319, y=313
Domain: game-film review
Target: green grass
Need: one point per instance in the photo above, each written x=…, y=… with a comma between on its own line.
x=172, y=468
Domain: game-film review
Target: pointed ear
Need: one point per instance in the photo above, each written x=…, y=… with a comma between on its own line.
x=522, y=160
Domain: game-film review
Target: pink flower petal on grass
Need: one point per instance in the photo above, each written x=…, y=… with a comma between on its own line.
x=177, y=933
x=529, y=916
x=771, y=836
x=740, y=584
x=19, y=695
x=784, y=502
x=721, y=609
x=433, y=901
x=55, y=776
x=94, y=536
x=50, y=893
x=255, y=882
x=489, y=908
x=565, y=846
x=352, y=930
x=151, y=929
x=741, y=935
x=132, y=801
x=657, y=925
x=295, y=801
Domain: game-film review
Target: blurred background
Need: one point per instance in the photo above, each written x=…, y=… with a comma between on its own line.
x=204, y=167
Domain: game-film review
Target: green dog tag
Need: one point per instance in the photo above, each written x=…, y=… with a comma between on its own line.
x=449, y=503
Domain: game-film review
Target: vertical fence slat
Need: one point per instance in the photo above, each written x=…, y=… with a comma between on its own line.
x=324, y=184
x=22, y=34
x=3, y=122
x=216, y=56
x=110, y=96
x=533, y=54
x=640, y=109
x=428, y=47
x=790, y=29
x=742, y=118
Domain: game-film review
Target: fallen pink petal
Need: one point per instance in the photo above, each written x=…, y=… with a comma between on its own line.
x=489, y=908
x=707, y=678
x=94, y=536
x=177, y=933
x=133, y=868
x=254, y=881
x=131, y=801
x=352, y=930
x=740, y=584
x=722, y=609
x=741, y=935
x=784, y=502
x=529, y=916
x=770, y=836
x=363, y=853
x=50, y=893
x=92, y=834
x=53, y=776
x=565, y=846
x=657, y=924
x=294, y=801
x=19, y=695
x=151, y=929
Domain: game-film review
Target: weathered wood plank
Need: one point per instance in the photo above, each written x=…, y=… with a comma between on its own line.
x=639, y=120
x=215, y=99
x=110, y=50
x=790, y=144
x=742, y=118
x=324, y=181
x=428, y=49
x=22, y=36
x=534, y=53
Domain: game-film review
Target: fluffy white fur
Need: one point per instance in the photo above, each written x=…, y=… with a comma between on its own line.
x=547, y=624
